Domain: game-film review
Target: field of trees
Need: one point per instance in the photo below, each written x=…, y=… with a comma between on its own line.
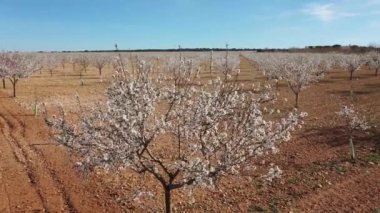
x=225, y=131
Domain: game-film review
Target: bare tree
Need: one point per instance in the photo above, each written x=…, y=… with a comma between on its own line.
x=177, y=130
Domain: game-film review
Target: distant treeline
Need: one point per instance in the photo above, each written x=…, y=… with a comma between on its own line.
x=344, y=49
x=187, y=50
x=316, y=49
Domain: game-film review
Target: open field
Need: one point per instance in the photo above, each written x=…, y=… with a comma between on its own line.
x=36, y=175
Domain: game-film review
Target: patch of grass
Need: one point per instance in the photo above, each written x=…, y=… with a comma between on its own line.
x=373, y=158
x=341, y=169
x=334, y=166
x=294, y=180
x=273, y=205
x=258, y=184
x=256, y=209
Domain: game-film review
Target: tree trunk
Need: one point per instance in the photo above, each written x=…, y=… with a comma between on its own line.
x=3, y=83
x=167, y=200
x=100, y=73
x=211, y=60
x=352, y=149
x=351, y=75
x=296, y=106
x=14, y=87
x=81, y=79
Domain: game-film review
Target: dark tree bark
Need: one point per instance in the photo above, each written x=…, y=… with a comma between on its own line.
x=167, y=199
x=14, y=82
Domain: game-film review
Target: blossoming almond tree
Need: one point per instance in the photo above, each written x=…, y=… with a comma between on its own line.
x=351, y=63
x=50, y=62
x=374, y=61
x=353, y=122
x=265, y=62
x=179, y=131
x=299, y=70
x=84, y=62
x=62, y=58
x=100, y=61
x=2, y=68
x=16, y=66
x=73, y=60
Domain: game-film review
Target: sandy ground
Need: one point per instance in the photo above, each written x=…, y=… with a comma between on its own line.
x=37, y=175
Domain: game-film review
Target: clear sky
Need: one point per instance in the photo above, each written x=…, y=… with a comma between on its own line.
x=33, y=25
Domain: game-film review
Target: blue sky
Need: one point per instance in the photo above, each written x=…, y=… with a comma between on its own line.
x=33, y=25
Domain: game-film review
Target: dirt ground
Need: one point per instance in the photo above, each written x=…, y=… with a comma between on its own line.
x=37, y=175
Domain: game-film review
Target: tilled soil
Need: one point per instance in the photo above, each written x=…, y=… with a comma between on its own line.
x=36, y=175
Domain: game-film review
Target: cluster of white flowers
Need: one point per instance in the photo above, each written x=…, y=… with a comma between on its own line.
x=353, y=120
x=373, y=60
x=100, y=61
x=15, y=65
x=299, y=70
x=274, y=173
x=351, y=63
x=49, y=62
x=182, y=132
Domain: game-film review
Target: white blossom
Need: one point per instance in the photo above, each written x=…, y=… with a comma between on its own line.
x=181, y=132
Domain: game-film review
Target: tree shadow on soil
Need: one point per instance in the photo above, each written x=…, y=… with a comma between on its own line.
x=335, y=136
x=349, y=93
x=20, y=115
x=372, y=86
x=327, y=81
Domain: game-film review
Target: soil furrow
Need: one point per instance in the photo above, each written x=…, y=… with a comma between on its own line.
x=18, y=184
x=5, y=204
x=45, y=185
x=50, y=167
x=34, y=178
